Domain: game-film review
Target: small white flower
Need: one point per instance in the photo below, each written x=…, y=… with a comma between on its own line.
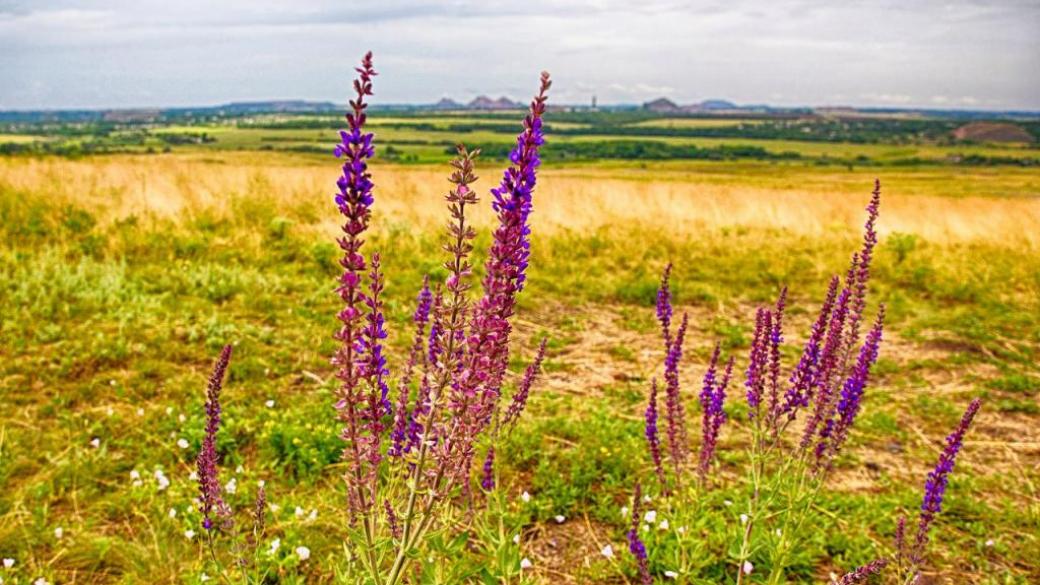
x=172, y=513
x=169, y=410
x=274, y=507
x=59, y=532
x=779, y=532
x=663, y=525
x=109, y=411
x=299, y=512
x=990, y=542
x=312, y=516
x=140, y=412
x=525, y=563
x=182, y=443
x=239, y=469
x=607, y=551
x=181, y=418
x=231, y=486
x=681, y=530
x=303, y=552
x=650, y=516
x=748, y=567
x=743, y=518
x=41, y=581
x=189, y=534
x=193, y=476
x=526, y=497
x=516, y=539
x=135, y=474
x=95, y=442
x=162, y=480
x=727, y=503
x=559, y=519
x=203, y=577
x=261, y=483
x=269, y=404
x=624, y=511
x=671, y=574
x=275, y=545
x=8, y=563
x=646, y=498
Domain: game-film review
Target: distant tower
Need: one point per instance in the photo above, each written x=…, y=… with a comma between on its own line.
x=593, y=102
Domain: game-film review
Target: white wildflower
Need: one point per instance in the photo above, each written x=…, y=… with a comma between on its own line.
x=189, y=534
x=748, y=567
x=526, y=497
x=231, y=486
x=559, y=519
x=183, y=443
x=303, y=552
x=650, y=516
x=275, y=545
x=671, y=574
x=607, y=551
x=525, y=563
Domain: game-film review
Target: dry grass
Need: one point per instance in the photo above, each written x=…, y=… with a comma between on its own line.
x=678, y=200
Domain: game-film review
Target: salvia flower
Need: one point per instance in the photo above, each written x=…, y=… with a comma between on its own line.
x=635, y=544
x=653, y=439
x=675, y=412
x=664, y=306
x=212, y=503
x=487, y=480
x=712, y=398
x=935, y=486
x=755, y=379
x=800, y=391
x=354, y=201
x=861, y=574
x=834, y=434
x=530, y=374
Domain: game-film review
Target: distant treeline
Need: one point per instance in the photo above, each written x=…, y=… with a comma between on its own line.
x=861, y=131
x=636, y=150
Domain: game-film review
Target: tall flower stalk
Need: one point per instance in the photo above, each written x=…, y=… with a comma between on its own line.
x=931, y=504
x=825, y=387
x=407, y=457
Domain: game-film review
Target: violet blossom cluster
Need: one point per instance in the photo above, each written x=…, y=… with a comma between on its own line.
x=934, y=491
x=211, y=502
x=675, y=412
x=447, y=392
x=862, y=574
x=712, y=398
x=635, y=544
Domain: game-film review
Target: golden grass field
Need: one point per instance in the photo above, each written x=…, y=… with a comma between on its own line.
x=680, y=199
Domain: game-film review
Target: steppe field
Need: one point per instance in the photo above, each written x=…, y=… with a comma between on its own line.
x=130, y=255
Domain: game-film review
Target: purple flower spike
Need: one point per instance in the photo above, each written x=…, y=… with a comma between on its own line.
x=675, y=413
x=935, y=486
x=487, y=481
x=800, y=391
x=359, y=354
x=211, y=502
x=653, y=440
x=664, y=307
x=861, y=574
x=776, y=339
x=516, y=407
x=755, y=380
x=635, y=544
x=837, y=430
x=713, y=396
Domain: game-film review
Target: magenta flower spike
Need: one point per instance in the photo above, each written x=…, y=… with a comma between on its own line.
x=211, y=503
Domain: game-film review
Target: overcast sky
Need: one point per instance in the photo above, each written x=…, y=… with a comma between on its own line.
x=141, y=53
